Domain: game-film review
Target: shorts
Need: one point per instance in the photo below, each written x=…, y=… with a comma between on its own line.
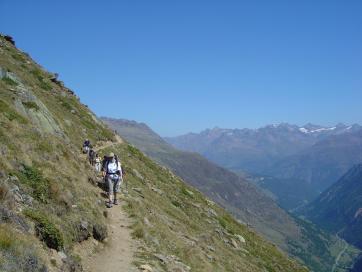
x=113, y=183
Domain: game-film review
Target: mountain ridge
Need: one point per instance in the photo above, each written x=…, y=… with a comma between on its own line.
x=283, y=155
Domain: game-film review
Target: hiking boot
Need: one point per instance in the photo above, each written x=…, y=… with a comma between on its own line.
x=109, y=204
x=115, y=202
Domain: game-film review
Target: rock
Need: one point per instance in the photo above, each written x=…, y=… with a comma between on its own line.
x=73, y=111
x=9, y=39
x=161, y=257
x=7, y=216
x=138, y=190
x=211, y=248
x=196, y=205
x=210, y=203
x=28, y=200
x=84, y=225
x=99, y=232
x=2, y=73
x=189, y=192
x=160, y=192
x=62, y=255
x=71, y=264
x=137, y=174
x=210, y=257
x=146, y=268
x=211, y=212
x=105, y=214
x=241, y=239
x=244, y=250
x=147, y=222
x=234, y=243
x=13, y=179
x=155, y=241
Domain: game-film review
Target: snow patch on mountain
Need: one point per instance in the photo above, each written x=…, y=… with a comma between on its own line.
x=304, y=130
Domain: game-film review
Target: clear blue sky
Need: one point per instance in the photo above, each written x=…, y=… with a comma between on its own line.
x=184, y=66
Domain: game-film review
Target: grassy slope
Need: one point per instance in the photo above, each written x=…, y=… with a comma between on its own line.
x=301, y=239
x=42, y=128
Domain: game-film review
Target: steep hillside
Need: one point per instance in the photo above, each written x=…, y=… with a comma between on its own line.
x=290, y=194
x=299, y=238
x=339, y=208
x=50, y=204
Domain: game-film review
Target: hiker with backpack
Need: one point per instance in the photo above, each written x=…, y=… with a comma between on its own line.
x=91, y=156
x=112, y=172
x=97, y=163
x=86, y=146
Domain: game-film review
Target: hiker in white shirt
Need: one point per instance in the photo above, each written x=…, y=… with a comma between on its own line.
x=113, y=176
x=97, y=163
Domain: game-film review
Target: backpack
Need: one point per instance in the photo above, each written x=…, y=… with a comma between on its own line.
x=106, y=161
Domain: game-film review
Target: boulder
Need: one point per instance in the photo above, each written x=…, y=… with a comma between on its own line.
x=7, y=216
x=241, y=239
x=99, y=232
x=146, y=268
x=158, y=191
x=234, y=243
x=84, y=231
x=9, y=39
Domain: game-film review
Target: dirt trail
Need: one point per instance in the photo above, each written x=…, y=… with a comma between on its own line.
x=104, y=145
x=117, y=253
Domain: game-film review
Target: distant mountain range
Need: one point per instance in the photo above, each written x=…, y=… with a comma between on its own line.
x=282, y=158
x=236, y=194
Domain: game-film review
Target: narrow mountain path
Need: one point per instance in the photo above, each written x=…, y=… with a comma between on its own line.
x=336, y=262
x=117, y=253
x=104, y=145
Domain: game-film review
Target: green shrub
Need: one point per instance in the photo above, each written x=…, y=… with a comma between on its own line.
x=31, y=105
x=9, y=81
x=46, y=230
x=35, y=180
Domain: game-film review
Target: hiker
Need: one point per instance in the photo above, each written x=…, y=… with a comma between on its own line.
x=86, y=146
x=97, y=163
x=91, y=156
x=112, y=171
